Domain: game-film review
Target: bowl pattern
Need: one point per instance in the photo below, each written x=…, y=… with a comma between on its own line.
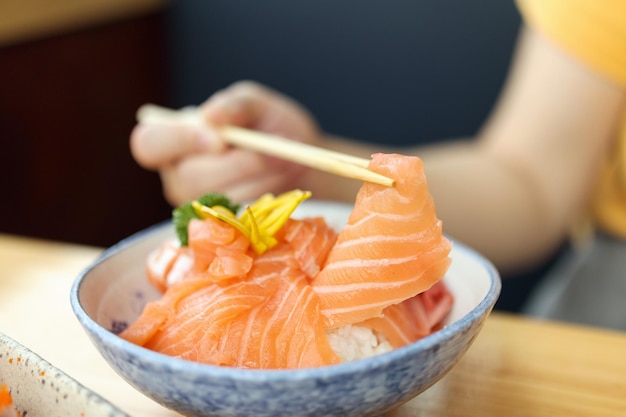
x=40, y=389
x=114, y=289
x=345, y=390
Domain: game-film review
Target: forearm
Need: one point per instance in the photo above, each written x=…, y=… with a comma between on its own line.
x=491, y=206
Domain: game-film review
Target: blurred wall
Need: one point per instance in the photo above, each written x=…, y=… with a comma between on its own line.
x=68, y=99
x=397, y=71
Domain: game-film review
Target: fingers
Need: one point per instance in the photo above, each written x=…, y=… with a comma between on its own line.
x=243, y=104
x=228, y=173
x=155, y=146
x=238, y=174
x=254, y=106
x=193, y=161
x=247, y=104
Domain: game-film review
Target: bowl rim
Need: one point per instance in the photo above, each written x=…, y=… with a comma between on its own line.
x=484, y=307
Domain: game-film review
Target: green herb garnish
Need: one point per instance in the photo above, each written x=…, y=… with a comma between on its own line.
x=182, y=215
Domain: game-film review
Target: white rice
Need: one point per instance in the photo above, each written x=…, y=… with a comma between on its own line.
x=355, y=342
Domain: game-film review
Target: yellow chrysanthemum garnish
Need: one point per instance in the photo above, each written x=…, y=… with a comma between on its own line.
x=261, y=219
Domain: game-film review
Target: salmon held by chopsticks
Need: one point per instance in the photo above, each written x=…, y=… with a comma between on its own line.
x=391, y=249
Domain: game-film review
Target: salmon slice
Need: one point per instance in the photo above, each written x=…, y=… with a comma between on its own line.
x=284, y=332
x=312, y=239
x=193, y=311
x=157, y=313
x=206, y=236
x=168, y=265
x=413, y=318
x=391, y=249
x=216, y=251
x=270, y=318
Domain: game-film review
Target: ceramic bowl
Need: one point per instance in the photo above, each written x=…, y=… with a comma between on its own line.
x=114, y=289
x=39, y=389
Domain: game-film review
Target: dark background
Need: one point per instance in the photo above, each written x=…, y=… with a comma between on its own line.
x=400, y=71
x=397, y=72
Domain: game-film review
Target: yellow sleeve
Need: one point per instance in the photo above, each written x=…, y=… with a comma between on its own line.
x=593, y=31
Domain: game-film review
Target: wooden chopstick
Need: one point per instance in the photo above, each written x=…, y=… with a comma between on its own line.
x=312, y=156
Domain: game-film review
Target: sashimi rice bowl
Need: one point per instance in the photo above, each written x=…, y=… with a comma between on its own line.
x=288, y=305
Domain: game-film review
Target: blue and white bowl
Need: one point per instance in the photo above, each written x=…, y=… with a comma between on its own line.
x=114, y=289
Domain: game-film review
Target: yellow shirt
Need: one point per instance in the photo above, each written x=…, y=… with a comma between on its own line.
x=593, y=31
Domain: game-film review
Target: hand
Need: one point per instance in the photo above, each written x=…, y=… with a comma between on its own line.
x=193, y=161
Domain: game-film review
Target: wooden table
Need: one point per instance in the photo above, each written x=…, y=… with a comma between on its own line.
x=516, y=367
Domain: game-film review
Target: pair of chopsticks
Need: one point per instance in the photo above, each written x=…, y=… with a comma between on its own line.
x=308, y=155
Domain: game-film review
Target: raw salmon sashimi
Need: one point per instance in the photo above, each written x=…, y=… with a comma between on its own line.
x=312, y=239
x=426, y=311
x=264, y=316
x=268, y=293
x=168, y=265
x=391, y=249
x=286, y=330
x=216, y=251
